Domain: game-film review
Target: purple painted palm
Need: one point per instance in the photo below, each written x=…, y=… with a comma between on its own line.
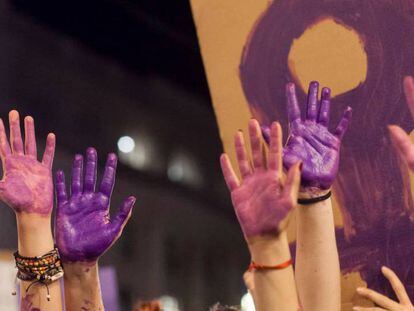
x=84, y=230
x=261, y=200
x=27, y=183
x=310, y=140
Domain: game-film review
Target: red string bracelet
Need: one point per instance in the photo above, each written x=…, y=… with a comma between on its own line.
x=254, y=266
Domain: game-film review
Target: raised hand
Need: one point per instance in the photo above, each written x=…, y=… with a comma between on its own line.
x=384, y=303
x=27, y=185
x=399, y=137
x=84, y=230
x=310, y=140
x=262, y=200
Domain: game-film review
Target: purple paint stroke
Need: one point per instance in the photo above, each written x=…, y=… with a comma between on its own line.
x=84, y=230
x=310, y=141
x=374, y=195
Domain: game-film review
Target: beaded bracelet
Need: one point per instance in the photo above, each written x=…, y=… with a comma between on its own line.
x=40, y=269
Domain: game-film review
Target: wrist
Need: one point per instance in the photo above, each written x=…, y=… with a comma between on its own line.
x=312, y=192
x=34, y=234
x=80, y=272
x=269, y=250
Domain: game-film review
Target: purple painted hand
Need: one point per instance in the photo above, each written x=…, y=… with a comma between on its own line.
x=27, y=183
x=84, y=230
x=310, y=141
x=262, y=201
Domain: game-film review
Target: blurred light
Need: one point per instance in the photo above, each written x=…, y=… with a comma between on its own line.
x=126, y=144
x=182, y=168
x=247, y=303
x=169, y=303
x=175, y=172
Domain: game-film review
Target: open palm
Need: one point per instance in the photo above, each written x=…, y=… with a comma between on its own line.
x=262, y=201
x=27, y=183
x=310, y=140
x=84, y=230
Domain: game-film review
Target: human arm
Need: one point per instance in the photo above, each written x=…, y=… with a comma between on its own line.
x=263, y=202
x=27, y=188
x=84, y=229
x=311, y=142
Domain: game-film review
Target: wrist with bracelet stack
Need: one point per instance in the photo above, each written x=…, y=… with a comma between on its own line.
x=43, y=269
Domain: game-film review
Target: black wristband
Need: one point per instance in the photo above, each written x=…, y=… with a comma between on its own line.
x=315, y=200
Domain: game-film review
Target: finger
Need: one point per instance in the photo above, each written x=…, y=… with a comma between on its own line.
x=292, y=103
x=241, y=154
x=403, y=145
x=292, y=183
x=77, y=175
x=4, y=143
x=15, y=133
x=61, y=194
x=312, y=107
x=30, y=137
x=397, y=286
x=275, y=148
x=230, y=176
x=409, y=93
x=49, y=150
x=377, y=298
x=265, y=133
x=90, y=172
x=108, y=179
x=256, y=143
x=122, y=216
x=343, y=124
x=323, y=117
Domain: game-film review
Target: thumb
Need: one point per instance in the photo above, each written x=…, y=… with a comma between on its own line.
x=122, y=216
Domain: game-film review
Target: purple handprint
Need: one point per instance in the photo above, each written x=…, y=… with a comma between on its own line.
x=310, y=140
x=27, y=183
x=84, y=230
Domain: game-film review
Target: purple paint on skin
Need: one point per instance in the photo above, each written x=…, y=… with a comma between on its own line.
x=261, y=201
x=373, y=194
x=310, y=141
x=84, y=230
x=27, y=183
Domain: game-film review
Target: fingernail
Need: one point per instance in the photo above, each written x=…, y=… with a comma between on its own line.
x=359, y=290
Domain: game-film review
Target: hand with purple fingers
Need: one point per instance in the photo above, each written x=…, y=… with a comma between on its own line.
x=310, y=140
x=27, y=185
x=262, y=200
x=84, y=230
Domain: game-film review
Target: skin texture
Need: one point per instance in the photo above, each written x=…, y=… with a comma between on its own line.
x=317, y=260
x=263, y=203
x=84, y=230
x=310, y=140
x=28, y=189
x=382, y=302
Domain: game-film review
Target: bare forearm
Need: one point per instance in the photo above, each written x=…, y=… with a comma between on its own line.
x=35, y=239
x=82, y=287
x=317, y=262
x=273, y=289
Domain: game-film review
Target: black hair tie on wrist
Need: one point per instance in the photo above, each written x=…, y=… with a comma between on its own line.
x=315, y=200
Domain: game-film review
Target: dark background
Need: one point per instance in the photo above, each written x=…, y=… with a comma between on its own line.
x=93, y=71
